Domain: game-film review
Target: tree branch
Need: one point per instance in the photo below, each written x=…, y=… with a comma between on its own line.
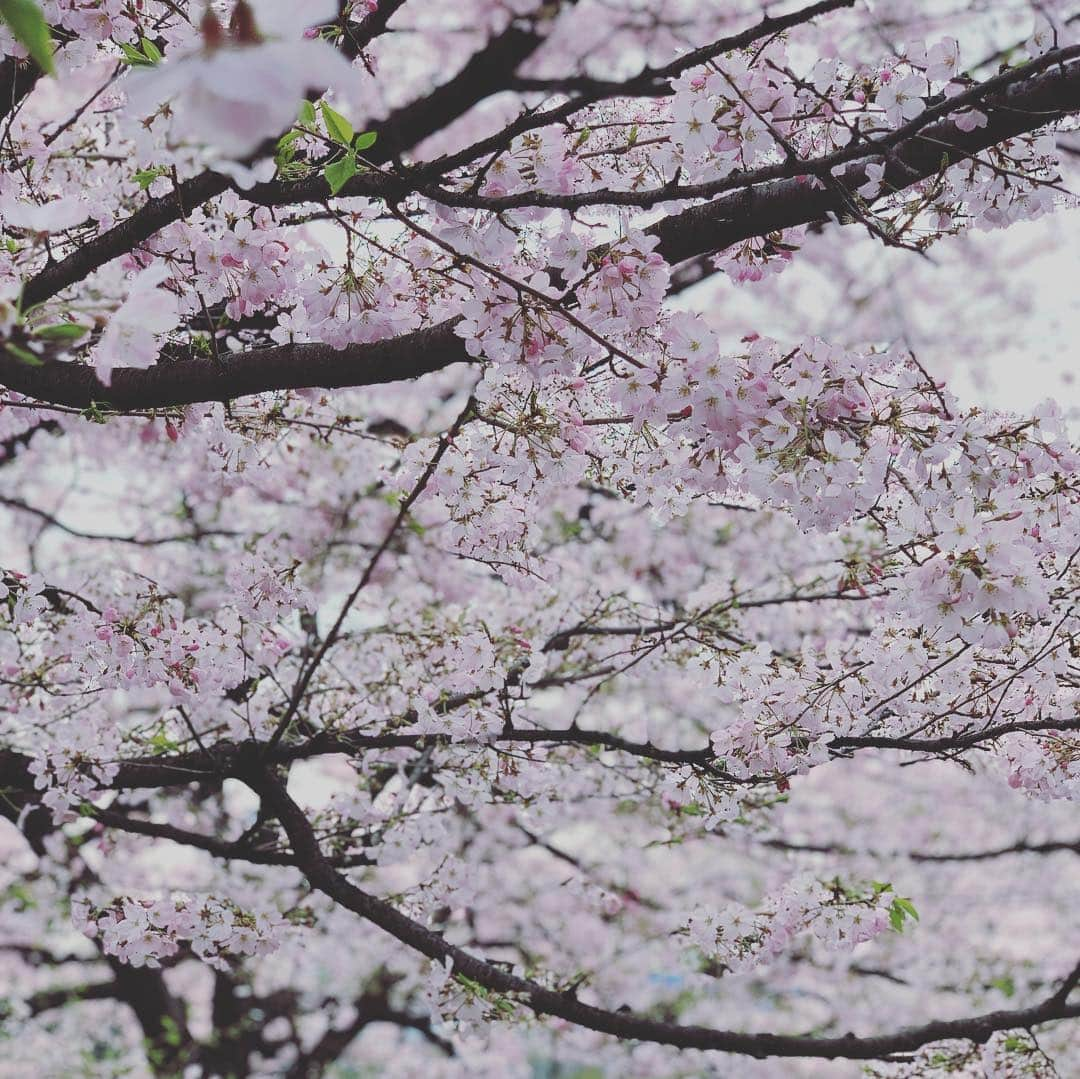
x=624, y=1024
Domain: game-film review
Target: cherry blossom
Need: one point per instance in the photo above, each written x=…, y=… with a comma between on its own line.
x=512, y=557
x=242, y=87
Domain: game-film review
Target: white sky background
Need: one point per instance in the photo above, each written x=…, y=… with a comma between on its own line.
x=997, y=314
x=1043, y=359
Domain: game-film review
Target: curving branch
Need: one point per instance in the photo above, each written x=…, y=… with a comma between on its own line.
x=484, y=74
x=13, y=444
x=624, y=1023
x=1012, y=107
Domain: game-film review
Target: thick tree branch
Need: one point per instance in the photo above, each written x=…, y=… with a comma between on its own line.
x=221, y=759
x=239, y=373
x=1024, y=107
x=48, y=999
x=17, y=79
x=1013, y=96
x=489, y=71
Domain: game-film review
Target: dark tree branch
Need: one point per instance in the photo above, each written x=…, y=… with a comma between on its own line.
x=373, y=1007
x=645, y=82
x=486, y=74
x=1024, y=107
x=51, y=521
x=624, y=1024
x=1055, y=846
x=229, y=850
x=48, y=999
x=1019, y=90
x=239, y=373
x=222, y=758
x=10, y=446
x=17, y=79
x=354, y=41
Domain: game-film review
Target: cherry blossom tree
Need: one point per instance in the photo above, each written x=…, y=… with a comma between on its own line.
x=463, y=612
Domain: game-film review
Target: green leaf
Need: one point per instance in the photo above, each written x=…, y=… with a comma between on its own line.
x=151, y=51
x=337, y=127
x=307, y=113
x=145, y=177
x=365, y=140
x=1015, y=1043
x=146, y=54
x=61, y=331
x=24, y=355
x=162, y=743
x=340, y=172
x=286, y=152
x=133, y=56
x=899, y=911
x=907, y=907
x=170, y=1030
x=27, y=23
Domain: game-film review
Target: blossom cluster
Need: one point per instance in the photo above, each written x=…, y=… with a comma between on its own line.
x=143, y=932
x=838, y=916
x=592, y=652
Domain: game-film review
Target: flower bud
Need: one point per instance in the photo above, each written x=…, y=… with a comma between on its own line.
x=213, y=34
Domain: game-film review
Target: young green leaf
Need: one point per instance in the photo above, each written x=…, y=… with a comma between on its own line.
x=365, y=140
x=61, y=331
x=146, y=54
x=133, y=55
x=340, y=172
x=899, y=911
x=24, y=355
x=145, y=177
x=307, y=113
x=27, y=24
x=150, y=51
x=337, y=127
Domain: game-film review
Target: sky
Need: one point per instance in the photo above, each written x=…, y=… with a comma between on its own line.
x=996, y=314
